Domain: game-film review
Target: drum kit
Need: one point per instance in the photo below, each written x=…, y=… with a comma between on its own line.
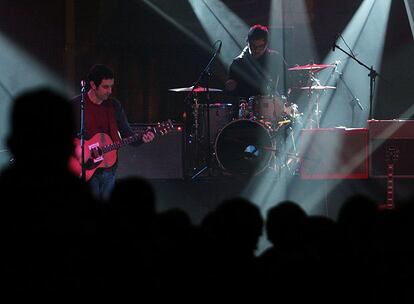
x=245, y=138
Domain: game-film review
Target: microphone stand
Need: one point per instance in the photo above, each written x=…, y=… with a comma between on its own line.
x=206, y=74
x=372, y=76
x=354, y=101
x=82, y=131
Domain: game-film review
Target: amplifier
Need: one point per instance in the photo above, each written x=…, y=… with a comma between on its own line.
x=160, y=159
x=334, y=153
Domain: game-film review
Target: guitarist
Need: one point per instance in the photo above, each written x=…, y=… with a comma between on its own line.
x=103, y=114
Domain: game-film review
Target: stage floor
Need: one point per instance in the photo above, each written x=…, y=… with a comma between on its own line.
x=201, y=195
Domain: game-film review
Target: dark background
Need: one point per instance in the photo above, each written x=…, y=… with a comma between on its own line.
x=149, y=55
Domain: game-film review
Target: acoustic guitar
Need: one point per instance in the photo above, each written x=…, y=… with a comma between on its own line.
x=101, y=152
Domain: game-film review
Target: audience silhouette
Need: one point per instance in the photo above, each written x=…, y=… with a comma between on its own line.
x=49, y=214
x=58, y=238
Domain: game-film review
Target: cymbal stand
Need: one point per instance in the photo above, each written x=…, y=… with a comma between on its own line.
x=317, y=113
x=313, y=109
x=205, y=74
x=196, y=115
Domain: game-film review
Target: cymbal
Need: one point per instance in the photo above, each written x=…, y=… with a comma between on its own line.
x=312, y=66
x=196, y=90
x=317, y=88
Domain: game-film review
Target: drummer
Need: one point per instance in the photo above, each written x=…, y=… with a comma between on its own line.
x=258, y=70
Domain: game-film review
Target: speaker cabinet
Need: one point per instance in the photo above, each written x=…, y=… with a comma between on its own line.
x=335, y=153
x=397, y=135
x=160, y=159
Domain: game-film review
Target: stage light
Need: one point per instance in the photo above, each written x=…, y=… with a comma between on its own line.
x=164, y=10
x=220, y=23
x=23, y=73
x=365, y=36
x=409, y=6
x=284, y=16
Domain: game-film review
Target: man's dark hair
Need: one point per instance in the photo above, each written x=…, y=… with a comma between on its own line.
x=99, y=72
x=257, y=32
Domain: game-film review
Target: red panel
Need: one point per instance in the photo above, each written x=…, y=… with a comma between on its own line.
x=336, y=153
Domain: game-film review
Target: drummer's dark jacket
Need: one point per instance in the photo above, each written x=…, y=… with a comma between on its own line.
x=262, y=76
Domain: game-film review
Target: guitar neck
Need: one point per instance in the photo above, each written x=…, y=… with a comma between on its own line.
x=118, y=144
x=159, y=129
x=390, y=184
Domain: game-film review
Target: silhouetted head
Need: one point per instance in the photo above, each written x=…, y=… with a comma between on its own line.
x=42, y=129
x=357, y=209
x=236, y=223
x=285, y=223
x=358, y=216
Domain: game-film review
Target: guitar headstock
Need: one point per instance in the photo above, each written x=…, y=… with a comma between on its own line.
x=392, y=154
x=164, y=127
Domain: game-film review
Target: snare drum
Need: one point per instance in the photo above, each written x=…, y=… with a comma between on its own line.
x=244, y=147
x=267, y=108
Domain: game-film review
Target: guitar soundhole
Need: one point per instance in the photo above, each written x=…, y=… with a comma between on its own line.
x=96, y=154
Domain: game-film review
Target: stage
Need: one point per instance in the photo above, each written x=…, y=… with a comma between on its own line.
x=317, y=197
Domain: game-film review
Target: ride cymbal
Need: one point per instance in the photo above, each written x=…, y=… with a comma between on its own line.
x=196, y=90
x=318, y=88
x=312, y=66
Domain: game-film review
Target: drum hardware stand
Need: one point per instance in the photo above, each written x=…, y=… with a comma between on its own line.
x=313, y=108
x=315, y=116
x=196, y=113
x=289, y=155
x=205, y=74
x=312, y=120
x=317, y=112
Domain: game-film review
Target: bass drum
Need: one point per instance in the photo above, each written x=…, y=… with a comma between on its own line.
x=244, y=147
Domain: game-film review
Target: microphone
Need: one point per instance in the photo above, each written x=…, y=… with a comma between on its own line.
x=83, y=85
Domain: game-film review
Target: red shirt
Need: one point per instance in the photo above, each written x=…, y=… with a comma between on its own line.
x=100, y=118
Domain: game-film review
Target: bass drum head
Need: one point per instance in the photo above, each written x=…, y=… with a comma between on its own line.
x=244, y=147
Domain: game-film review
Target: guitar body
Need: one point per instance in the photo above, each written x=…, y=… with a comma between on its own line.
x=94, y=156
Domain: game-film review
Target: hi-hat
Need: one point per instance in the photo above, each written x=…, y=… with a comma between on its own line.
x=318, y=87
x=196, y=89
x=312, y=66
